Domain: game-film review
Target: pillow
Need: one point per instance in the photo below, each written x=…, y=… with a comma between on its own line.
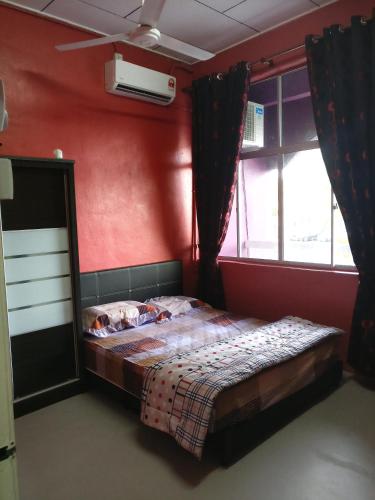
x=107, y=319
x=176, y=304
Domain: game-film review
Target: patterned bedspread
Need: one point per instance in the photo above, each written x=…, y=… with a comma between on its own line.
x=179, y=392
x=123, y=358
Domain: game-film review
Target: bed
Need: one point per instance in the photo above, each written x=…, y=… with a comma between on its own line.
x=270, y=395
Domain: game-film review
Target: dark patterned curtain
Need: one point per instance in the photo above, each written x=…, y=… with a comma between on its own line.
x=219, y=105
x=342, y=77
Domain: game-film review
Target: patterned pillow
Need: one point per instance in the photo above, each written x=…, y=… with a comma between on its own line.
x=107, y=319
x=177, y=304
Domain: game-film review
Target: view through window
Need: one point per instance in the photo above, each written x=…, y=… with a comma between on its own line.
x=285, y=209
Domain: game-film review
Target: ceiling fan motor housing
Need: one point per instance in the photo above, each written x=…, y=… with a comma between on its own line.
x=146, y=36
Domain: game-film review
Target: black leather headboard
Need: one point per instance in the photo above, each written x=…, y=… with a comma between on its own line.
x=131, y=283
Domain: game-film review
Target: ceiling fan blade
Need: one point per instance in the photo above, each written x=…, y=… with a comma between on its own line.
x=150, y=12
x=92, y=43
x=184, y=48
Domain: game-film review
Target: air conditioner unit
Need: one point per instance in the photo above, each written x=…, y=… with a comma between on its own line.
x=253, y=137
x=136, y=82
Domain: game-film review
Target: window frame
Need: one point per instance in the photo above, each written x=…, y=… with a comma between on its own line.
x=279, y=152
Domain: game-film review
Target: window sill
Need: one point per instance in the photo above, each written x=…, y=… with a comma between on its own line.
x=290, y=265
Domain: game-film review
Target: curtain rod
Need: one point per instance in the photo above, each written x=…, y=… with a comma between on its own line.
x=268, y=60
x=263, y=60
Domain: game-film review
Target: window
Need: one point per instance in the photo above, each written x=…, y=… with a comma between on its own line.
x=285, y=209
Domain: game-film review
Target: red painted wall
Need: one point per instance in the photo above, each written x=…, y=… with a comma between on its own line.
x=133, y=159
x=272, y=291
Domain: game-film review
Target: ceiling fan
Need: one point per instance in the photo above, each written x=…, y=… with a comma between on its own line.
x=146, y=35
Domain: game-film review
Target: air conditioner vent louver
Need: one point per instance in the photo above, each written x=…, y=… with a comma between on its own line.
x=254, y=126
x=137, y=92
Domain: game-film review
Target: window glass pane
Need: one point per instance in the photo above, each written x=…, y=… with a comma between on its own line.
x=270, y=136
x=342, y=255
x=258, y=184
x=229, y=248
x=307, y=208
x=266, y=93
x=298, y=122
x=298, y=119
x=295, y=83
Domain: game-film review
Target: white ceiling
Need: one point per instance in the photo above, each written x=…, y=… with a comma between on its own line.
x=213, y=25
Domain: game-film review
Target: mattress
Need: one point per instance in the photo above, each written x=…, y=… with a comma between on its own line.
x=123, y=358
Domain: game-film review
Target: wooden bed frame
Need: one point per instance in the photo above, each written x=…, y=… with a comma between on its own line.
x=233, y=442
x=165, y=278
